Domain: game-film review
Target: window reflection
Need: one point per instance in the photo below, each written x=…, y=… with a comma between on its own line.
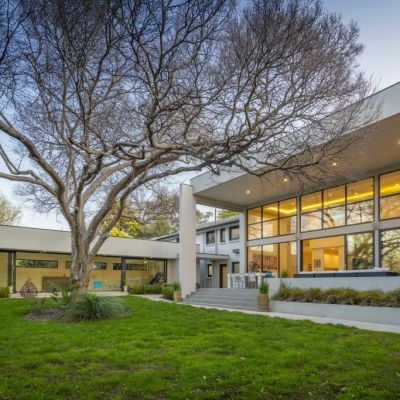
x=360, y=251
x=390, y=250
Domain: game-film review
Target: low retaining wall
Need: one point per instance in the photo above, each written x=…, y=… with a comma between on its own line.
x=377, y=315
x=385, y=283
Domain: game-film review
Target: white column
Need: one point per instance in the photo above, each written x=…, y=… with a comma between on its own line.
x=187, y=240
x=242, y=243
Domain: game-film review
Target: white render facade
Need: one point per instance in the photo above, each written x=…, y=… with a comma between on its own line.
x=218, y=251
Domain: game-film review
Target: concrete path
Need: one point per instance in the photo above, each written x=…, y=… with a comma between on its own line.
x=319, y=320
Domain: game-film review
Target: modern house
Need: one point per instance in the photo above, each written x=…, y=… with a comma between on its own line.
x=342, y=232
x=346, y=228
x=216, y=239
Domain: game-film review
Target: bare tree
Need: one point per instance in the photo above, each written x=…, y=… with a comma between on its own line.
x=114, y=95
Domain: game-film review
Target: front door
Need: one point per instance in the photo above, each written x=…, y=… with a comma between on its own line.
x=223, y=276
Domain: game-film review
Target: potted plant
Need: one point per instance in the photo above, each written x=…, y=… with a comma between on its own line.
x=177, y=291
x=262, y=297
x=285, y=274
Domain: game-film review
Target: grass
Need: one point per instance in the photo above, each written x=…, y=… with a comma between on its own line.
x=170, y=351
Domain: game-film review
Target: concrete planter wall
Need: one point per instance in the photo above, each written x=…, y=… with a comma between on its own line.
x=377, y=315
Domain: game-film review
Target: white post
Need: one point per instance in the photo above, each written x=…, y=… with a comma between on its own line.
x=187, y=240
x=242, y=243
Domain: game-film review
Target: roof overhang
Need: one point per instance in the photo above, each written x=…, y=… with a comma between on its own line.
x=377, y=151
x=211, y=256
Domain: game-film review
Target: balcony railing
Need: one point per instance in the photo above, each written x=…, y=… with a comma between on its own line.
x=246, y=280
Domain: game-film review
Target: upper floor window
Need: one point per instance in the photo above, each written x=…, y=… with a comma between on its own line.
x=222, y=234
x=389, y=191
x=338, y=206
x=234, y=233
x=210, y=237
x=37, y=263
x=272, y=219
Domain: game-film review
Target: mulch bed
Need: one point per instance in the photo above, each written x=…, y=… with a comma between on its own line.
x=47, y=314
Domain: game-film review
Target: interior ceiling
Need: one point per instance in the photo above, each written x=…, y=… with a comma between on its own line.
x=376, y=152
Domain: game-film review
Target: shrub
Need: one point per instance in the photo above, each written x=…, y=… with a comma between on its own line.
x=285, y=274
x=4, y=292
x=36, y=306
x=145, y=289
x=67, y=292
x=264, y=287
x=90, y=307
x=168, y=292
x=376, y=298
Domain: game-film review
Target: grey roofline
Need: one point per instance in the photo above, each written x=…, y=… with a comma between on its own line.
x=204, y=227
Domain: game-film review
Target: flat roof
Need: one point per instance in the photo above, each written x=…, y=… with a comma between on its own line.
x=378, y=151
x=18, y=238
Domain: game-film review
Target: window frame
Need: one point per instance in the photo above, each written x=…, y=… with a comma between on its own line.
x=231, y=228
x=386, y=196
x=209, y=268
x=222, y=233
x=34, y=262
x=300, y=268
x=233, y=265
x=207, y=241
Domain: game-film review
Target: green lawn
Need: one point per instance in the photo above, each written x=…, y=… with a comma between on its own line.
x=168, y=351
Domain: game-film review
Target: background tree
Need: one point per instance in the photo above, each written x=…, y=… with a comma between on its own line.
x=111, y=96
x=9, y=215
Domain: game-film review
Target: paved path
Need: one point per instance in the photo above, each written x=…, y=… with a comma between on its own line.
x=319, y=320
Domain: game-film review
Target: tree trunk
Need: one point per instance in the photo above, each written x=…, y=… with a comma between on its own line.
x=80, y=268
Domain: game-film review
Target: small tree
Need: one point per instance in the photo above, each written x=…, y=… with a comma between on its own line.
x=106, y=97
x=9, y=215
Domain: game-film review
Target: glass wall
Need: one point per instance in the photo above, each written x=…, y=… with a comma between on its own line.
x=390, y=250
x=140, y=271
x=360, y=251
x=338, y=206
x=389, y=191
x=272, y=258
x=323, y=254
x=288, y=258
x=4, y=269
x=337, y=253
x=272, y=220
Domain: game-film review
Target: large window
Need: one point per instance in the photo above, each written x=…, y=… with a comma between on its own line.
x=336, y=253
x=360, y=201
x=288, y=258
x=389, y=191
x=323, y=254
x=338, y=206
x=265, y=259
x=272, y=220
x=222, y=234
x=390, y=250
x=360, y=251
x=36, y=263
x=210, y=237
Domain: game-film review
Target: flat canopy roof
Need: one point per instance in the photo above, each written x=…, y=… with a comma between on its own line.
x=379, y=151
x=19, y=238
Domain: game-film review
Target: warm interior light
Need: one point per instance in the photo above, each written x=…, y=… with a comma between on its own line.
x=334, y=164
x=285, y=179
x=247, y=191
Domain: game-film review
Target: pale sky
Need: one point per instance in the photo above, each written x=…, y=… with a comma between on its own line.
x=379, y=32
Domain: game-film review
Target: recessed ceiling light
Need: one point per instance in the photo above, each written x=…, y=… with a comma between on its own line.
x=285, y=179
x=398, y=142
x=247, y=191
x=397, y=184
x=334, y=164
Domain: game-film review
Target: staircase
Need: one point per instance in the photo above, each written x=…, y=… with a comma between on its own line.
x=236, y=299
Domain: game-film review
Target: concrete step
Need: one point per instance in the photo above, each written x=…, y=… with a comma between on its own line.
x=228, y=306
x=236, y=299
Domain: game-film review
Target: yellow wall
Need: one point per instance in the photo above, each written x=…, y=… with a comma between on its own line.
x=111, y=279
x=3, y=269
